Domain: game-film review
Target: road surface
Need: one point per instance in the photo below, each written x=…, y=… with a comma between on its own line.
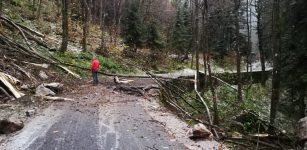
x=98, y=120
x=101, y=119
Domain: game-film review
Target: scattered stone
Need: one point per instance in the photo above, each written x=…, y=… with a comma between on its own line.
x=153, y=92
x=43, y=75
x=43, y=91
x=27, y=87
x=55, y=87
x=7, y=127
x=200, y=131
x=30, y=113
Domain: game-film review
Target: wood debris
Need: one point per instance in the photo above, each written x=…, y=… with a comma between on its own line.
x=8, y=81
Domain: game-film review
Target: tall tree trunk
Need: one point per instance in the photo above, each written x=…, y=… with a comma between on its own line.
x=248, y=55
x=58, y=7
x=214, y=95
x=302, y=106
x=85, y=19
x=1, y=6
x=64, y=44
x=39, y=9
x=33, y=7
x=196, y=34
x=276, y=65
x=205, y=37
x=117, y=29
x=260, y=40
x=238, y=55
x=192, y=46
x=103, y=48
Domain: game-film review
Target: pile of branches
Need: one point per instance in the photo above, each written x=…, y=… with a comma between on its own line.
x=20, y=57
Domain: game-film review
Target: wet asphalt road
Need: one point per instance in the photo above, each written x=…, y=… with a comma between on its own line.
x=98, y=121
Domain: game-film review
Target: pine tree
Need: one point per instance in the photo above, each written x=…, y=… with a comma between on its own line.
x=182, y=31
x=133, y=27
x=154, y=40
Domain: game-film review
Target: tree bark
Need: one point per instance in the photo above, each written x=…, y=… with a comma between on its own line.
x=276, y=65
x=205, y=37
x=197, y=41
x=248, y=55
x=237, y=49
x=64, y=44
x=214, y=96
x=1, y=6
x=103, y=48
x=58, y=7
x=39, y=9
x=85, y=19
x=260, y=40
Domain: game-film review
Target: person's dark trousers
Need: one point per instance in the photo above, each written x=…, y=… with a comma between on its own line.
x=95, y=77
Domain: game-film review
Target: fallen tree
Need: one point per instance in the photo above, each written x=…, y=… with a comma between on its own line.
x=6, y=82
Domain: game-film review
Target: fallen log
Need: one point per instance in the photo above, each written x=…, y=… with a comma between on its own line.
x=123, y=81
x=70, y=72
x=5, y=82
x=58, y=99
x=28, y=74
x=256, y=141
x=2, y=17
x=149, y=87
x=31, y=30
x=227, y=84
x=138, y=91
x=5, y=93
x=11, y=79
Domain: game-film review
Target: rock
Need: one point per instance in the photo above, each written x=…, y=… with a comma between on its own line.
x=302, y=129
x=27, y=87
x=30, y=113
x=7, y=127
x=200, y=131
x=43, y=91
x=43, y=75
x=153, y=92
x=55, y=87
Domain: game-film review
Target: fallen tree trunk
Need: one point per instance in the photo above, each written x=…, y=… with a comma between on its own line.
x=70, y=72
x=5, y=82
x=138, y=91
x=31, y=30
x=2, y=17
x=124, y=81
x=58, y=99
x=5, y=93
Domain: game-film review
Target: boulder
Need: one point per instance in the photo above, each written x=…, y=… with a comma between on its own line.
x=30, y=112
x=43, y=91
x=27, y=87
x=7, y=127
x=55, y=87
x=200, y=131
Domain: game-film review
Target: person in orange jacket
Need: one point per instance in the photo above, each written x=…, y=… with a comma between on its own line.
x=95, y=64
